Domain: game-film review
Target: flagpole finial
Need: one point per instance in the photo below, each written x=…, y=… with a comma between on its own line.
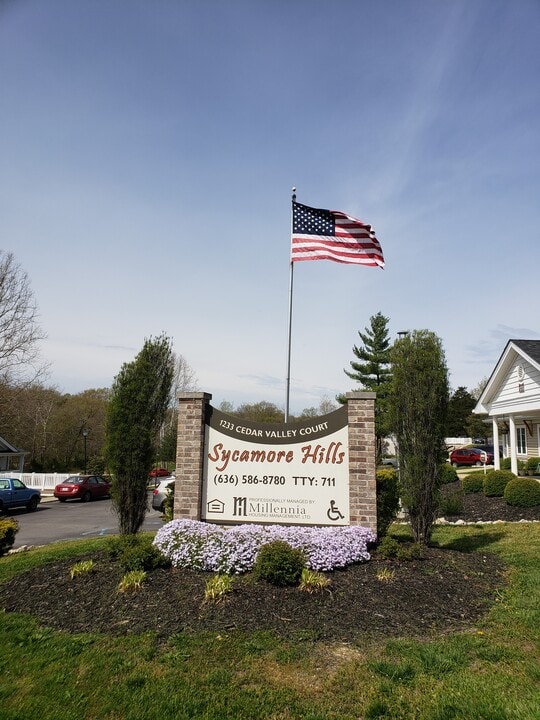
x=293, y=194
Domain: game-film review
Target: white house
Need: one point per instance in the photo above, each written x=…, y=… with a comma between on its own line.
x=10, y=457
x=511, y=398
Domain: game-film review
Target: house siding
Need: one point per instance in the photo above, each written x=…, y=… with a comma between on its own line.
x=512, y=397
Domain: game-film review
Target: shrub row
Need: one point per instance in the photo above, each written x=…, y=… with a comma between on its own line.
x=517, y=491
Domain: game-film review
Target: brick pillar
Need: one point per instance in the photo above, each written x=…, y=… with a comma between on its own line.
x=190, y=454
x=362, y=457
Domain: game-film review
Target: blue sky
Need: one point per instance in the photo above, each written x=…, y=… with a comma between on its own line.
x=148, y=150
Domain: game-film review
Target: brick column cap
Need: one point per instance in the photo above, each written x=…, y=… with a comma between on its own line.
x=194, y=396
x=367, y=395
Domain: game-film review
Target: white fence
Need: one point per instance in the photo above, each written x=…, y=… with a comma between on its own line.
x=43, y=481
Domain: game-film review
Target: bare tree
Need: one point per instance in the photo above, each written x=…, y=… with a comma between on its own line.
x=185, y=378
x=19, y=329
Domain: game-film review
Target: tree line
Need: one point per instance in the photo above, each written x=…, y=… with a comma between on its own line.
x=127, y=427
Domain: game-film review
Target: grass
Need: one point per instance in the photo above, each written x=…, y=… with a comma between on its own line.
x=489, y=673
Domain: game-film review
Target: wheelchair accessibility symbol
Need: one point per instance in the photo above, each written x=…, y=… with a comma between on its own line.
x=333, y=512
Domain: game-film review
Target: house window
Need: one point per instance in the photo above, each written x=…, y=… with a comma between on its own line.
x=521, y=442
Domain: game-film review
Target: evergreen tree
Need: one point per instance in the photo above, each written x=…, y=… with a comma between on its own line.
x=417, y=405
x=476, y=425
x=135, y=414
x=372, y=370
x=460, y=407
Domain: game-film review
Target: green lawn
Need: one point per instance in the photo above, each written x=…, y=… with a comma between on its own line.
x=490, y=673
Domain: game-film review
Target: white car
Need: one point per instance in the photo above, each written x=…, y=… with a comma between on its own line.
x=160, y=493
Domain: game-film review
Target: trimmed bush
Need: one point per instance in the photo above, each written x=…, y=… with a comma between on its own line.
x=473, y=483
x=279, y=564
x=495, y=481
x=391, y=548
x=387, y=499
x=136, y=552
x=447, y=474
x=522, y=492
x=532, y=463
x=8, y=529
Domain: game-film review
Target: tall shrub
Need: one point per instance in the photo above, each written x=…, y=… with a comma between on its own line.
x=135, y=413
x=417, y=404
x=387, y=499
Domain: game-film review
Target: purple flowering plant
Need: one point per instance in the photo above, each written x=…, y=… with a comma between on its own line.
x=203, y=546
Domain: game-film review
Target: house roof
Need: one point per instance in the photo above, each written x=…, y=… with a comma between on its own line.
x=515, y=350
x=6, y=448
x=531, y=348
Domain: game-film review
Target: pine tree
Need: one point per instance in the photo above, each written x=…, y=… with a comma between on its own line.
x=460, y=407
x=135, y=414
x=372, y=370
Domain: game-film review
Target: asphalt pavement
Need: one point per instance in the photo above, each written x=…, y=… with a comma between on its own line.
x=72, y=520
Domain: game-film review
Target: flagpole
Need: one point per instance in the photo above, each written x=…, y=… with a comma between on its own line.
x=288, y=383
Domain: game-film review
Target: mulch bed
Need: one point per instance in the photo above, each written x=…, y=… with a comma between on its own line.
x=446, y=591
x=478, y=508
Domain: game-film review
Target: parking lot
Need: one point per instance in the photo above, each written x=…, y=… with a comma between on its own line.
x=53, y=521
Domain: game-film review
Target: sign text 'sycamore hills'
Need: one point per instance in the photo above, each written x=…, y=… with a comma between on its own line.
x=293, y=473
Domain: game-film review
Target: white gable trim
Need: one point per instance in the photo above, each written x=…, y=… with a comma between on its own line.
x=514, y=385
x=512, y=397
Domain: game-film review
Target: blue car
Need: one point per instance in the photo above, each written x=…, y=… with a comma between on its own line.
x=14, y=494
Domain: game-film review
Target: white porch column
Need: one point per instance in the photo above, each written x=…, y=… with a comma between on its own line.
x=513, y=449
x=495, y=434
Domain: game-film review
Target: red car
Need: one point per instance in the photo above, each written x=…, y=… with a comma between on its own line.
x=82, y=487
x=159, y=472
x=470, y=456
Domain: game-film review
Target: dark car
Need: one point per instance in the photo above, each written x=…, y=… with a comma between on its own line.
x=82, y=487
x=470, y=456
x=488, y=449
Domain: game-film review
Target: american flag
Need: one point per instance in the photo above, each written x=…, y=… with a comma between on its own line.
x=332, y=235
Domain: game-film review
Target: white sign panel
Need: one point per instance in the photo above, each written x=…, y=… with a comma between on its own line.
x=289, y=473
